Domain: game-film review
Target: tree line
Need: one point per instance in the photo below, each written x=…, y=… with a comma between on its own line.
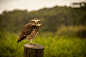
x=52, y=18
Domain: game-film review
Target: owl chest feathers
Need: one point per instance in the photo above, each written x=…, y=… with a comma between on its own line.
x=32, y=34
x=29, y=32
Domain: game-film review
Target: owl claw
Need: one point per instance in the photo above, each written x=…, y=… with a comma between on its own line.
x=32, y=43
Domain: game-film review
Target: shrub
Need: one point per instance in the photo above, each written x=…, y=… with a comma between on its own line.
x=54, y=46
x=72, y=31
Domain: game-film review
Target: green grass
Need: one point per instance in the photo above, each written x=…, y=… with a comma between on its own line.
x=54, y=46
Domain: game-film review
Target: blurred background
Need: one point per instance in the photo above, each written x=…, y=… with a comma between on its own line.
x=63, y=31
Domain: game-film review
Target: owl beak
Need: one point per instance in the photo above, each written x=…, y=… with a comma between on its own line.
x=36, y=23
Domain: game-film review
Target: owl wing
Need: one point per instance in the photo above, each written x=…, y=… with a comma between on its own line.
x=26, y=30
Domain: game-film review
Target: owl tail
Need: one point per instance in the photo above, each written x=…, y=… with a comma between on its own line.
x=18, y=41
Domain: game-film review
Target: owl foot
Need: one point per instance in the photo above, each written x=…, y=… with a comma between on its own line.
x=32, y=43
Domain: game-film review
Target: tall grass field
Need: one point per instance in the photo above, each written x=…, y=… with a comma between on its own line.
x=54, y=46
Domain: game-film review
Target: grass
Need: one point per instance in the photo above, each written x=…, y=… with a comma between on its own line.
x=54, y=46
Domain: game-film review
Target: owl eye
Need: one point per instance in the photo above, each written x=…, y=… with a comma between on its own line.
x=38, y=22
x=33, y=22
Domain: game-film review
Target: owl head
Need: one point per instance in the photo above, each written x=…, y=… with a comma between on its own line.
x=35, y=22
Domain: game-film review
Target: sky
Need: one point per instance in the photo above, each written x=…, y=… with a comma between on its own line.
x=31, y=5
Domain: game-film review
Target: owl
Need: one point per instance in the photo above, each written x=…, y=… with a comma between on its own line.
x=30, y=30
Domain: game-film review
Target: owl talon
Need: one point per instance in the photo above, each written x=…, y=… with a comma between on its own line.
x=32, y=43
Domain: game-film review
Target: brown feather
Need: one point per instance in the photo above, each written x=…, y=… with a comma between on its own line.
x=28, y=32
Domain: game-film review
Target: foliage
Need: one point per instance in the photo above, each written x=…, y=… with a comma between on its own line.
x=79, y=31
x=63, y=21
x=54, y=46
x=13, y=21
x=9, y=47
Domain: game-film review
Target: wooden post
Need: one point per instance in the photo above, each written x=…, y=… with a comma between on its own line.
x=33, y=50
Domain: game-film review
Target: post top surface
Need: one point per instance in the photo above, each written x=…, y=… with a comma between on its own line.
x=36, y=46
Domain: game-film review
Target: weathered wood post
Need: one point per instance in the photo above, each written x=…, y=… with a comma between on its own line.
x=33, y=50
